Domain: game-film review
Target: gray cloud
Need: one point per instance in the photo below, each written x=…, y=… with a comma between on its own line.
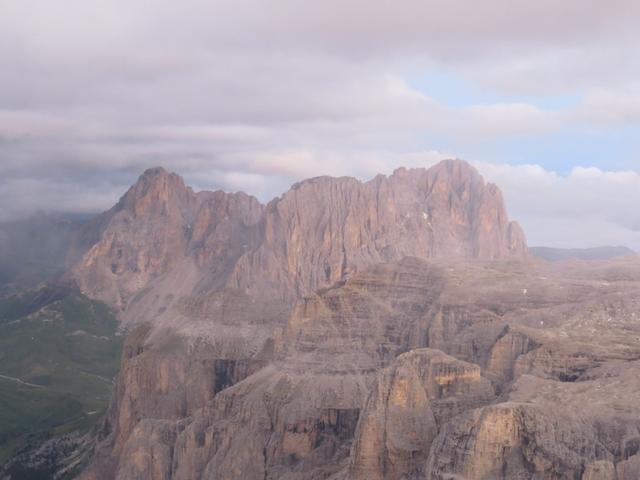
x=255, y=94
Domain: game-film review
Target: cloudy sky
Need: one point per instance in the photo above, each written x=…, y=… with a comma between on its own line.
x=543, y=97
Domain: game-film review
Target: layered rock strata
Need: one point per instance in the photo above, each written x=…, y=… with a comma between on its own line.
x=357, y=330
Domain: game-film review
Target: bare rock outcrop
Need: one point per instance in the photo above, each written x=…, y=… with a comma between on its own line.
x=274, y=424
x=156, y=227
x=296, y=416
x=409, y=400
x=545, y=430
x=362, y=324
x=505, y=352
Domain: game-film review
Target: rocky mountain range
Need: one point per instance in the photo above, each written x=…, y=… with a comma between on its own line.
x=316, y=234
x=392, y=329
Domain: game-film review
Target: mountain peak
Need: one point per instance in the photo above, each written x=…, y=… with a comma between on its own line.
x=160, y=176
x=156, y=189
x=452, y=175
x=449, y=165
x=456, y=170
x=456, y=163
x=155, y=171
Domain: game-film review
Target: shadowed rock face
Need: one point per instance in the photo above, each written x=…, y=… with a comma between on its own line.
x=358, y=330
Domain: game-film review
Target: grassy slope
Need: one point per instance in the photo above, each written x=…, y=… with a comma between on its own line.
x=66, y=344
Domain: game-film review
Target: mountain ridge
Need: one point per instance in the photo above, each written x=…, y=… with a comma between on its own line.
x=347, y=329
x=160, y=224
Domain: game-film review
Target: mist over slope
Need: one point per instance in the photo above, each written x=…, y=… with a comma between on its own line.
x=35, y=248
x=594, y=253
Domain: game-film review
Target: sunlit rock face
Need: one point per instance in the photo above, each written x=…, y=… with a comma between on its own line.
x=545, y=429
x=418, y=392
x=317, y=233
x=161, y=227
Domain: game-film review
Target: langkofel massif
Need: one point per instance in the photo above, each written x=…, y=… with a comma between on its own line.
x=393, y=329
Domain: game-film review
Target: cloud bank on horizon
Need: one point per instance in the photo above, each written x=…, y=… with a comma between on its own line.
x=253, y=95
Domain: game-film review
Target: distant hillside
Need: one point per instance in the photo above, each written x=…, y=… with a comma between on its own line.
x=596, y=253
x=59, y=352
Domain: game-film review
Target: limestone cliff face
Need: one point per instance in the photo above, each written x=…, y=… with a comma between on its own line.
x=506, y=352
x=546, y=430
x=156, y=226
x=409, y=400
x=275, y=424
x=230, y=388
x=296, y=416
x=317, y=233
x=325, y=228
x=363, y=324
x=270, y=342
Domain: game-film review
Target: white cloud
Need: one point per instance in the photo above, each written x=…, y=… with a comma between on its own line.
x=619, y=106
x=509, y=119
x=588, y=207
